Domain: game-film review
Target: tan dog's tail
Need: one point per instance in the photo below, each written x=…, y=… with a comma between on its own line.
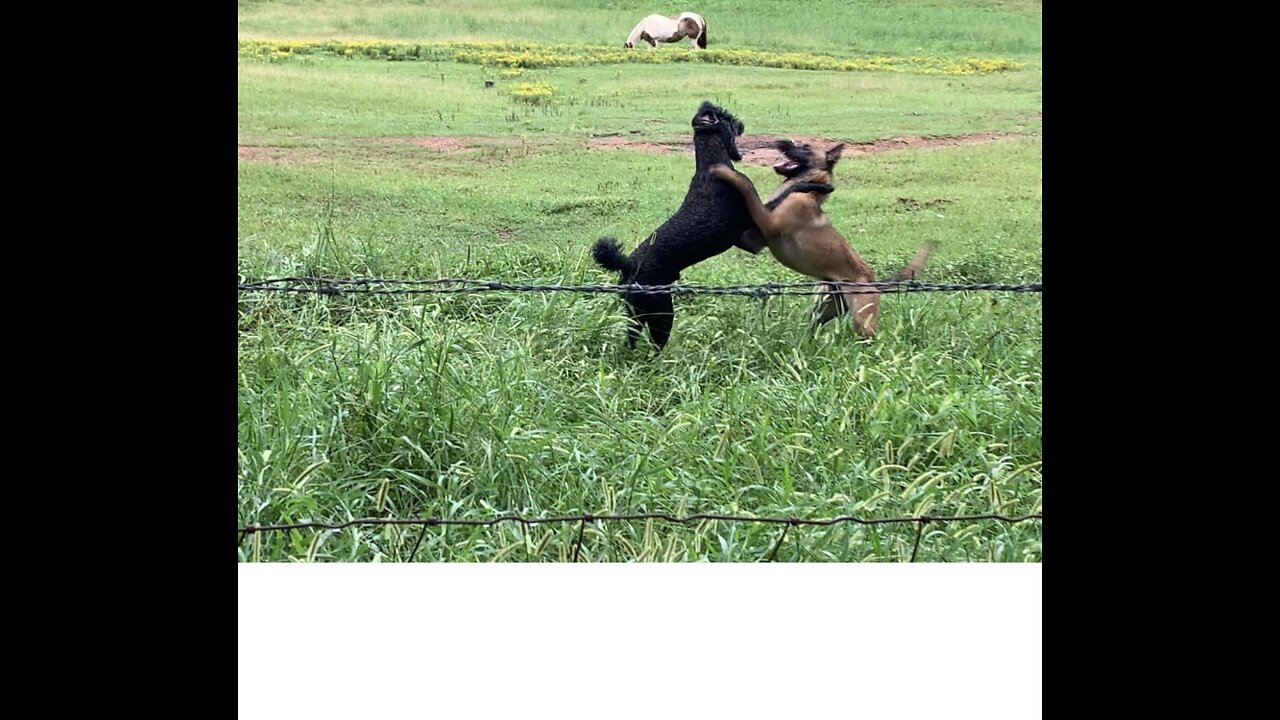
x=917, y=263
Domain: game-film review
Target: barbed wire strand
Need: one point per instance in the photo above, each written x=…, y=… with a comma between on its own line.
x=582, y=520
x=680, y=520
x=363, y=286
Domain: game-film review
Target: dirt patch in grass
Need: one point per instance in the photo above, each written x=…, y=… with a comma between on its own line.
x=613, y=142
x=909, y=204
x=270, y=155
x=444, y=143
x=371, y=151
x=759, y=150
x=755, y=149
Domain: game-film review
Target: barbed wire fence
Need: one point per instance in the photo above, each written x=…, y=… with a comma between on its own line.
x=583, y=520
x=387, y=286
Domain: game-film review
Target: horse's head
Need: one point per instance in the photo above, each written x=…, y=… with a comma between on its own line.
x=628, y=45
x=711, y=119
x=807, y=163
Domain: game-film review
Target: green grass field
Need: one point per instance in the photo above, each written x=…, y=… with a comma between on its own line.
x=473, y=406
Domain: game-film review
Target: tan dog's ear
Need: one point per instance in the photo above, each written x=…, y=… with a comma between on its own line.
x=833, y=154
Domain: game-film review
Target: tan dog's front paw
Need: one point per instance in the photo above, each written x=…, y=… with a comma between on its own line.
x=724, y=172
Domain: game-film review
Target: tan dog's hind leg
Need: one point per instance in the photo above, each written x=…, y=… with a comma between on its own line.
x=866, y=312
x=827, y=304
x=863, y=308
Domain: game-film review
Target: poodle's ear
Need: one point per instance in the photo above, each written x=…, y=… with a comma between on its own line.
x=833, y=155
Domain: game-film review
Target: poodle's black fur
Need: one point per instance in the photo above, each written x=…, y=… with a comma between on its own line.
x=711, y=219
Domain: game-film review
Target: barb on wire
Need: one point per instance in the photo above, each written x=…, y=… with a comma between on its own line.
x=524, y=539
x=924, y=520
x=774, y=552
x=385, y=286
x=582, y=527
x=413, y=554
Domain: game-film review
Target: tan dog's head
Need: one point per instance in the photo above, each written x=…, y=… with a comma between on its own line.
x=806, y=163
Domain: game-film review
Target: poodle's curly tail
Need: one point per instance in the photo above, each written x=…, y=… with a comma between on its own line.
x=608, y=254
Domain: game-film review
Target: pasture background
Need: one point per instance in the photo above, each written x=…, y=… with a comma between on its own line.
x=476, y=405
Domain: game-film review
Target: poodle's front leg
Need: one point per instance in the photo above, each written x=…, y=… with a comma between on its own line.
x=751, y=241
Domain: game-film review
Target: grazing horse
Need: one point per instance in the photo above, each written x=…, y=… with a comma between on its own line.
x=660, y=28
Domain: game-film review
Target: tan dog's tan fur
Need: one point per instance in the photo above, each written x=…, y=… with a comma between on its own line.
x=801, y=237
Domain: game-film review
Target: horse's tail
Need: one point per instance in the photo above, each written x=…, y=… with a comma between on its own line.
x=702, y=38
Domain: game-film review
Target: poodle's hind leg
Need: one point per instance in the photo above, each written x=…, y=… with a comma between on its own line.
x=658, y=314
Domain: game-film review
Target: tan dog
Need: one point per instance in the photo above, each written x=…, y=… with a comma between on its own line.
x=801, y=236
